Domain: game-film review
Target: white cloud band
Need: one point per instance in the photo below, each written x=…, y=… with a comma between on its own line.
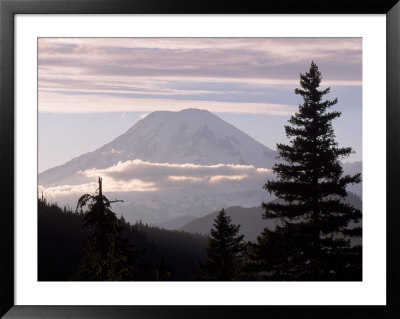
x=141, y=176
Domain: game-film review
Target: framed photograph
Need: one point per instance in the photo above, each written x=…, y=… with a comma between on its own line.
x=189, y=160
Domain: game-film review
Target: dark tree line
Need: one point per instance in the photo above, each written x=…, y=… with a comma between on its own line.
x=61, y=242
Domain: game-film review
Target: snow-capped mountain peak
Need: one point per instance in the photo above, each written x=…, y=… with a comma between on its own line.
x=188, y=136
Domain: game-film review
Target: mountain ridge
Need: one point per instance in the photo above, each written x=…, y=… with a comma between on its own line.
x=249, y=218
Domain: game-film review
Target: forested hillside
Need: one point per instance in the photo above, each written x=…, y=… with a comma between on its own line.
x=60, y=241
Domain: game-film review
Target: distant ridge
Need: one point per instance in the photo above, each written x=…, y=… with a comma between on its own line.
x=250, y=219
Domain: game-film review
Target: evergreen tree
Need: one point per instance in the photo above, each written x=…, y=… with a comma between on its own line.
x=163, y=272
x=225, y=250
x=315, y=226
x=108, y=255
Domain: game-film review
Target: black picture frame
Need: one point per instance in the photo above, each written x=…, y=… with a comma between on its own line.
x=8, y=8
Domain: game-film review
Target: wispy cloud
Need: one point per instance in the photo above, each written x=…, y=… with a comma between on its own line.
x=56, y=103
x=93, y=69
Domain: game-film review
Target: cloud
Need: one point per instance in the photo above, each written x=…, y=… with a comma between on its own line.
x=89, y=188
x=220, y=178
x=141, y=176
x=186, y=178
x=95, y=68
x=160, y=172
x=64, y=190
x=60, y=103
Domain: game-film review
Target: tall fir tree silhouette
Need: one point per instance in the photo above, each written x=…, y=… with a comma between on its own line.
x=108, y=255
x=312, y=240
x=225, y=250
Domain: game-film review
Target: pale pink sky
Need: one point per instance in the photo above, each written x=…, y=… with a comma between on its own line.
x=89, y=75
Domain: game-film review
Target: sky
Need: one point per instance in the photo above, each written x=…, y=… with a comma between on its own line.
x=91, y=90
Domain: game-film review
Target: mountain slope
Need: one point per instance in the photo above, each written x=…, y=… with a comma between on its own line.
x=250, y=219
x=176, y=223
x=188, y=136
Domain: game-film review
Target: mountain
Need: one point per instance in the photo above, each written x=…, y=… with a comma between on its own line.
x=168, y=166
x=250, y=219
x=176, y=223
x=188, y=136
x=352, y=168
